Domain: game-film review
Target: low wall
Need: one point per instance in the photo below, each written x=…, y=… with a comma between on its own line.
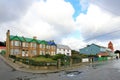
x=36, y=67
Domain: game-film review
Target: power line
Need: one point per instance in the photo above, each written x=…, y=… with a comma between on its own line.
x=102, y=35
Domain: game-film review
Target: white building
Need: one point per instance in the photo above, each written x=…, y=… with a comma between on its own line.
x=63, y=49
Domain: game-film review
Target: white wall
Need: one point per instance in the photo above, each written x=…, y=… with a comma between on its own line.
x=85, y=59
x=62, y=51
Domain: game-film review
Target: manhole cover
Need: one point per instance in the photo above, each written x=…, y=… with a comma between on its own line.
x=73, y=73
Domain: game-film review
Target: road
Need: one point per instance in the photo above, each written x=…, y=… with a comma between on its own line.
x=109, y=70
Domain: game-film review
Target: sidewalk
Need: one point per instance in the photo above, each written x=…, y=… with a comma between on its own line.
x=23, y=69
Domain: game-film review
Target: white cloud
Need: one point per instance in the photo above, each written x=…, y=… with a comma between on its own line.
x=73, y=43
x=12, y=10
x=51, y=19
x=76, y=44
x=110, y=5
x=98, y=23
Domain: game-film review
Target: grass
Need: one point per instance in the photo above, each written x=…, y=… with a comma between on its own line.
x=42, y=59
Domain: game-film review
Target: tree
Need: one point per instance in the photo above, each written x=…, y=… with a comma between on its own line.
x=117, y=51
x=2, y=43
x=75, y=53
x=3, y=52
x=59, y=56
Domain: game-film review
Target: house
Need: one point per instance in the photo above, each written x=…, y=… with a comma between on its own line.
x=28, y=47
x=63, y=49
x=2, y=48
x=94, y=49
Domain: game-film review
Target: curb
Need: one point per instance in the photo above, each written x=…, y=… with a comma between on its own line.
x=18, y=68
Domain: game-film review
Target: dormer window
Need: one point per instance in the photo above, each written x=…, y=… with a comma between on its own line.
x=17, y=43
x=33, y=45
x=24, y=44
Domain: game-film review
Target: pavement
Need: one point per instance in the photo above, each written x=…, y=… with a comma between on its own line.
x=19, y=67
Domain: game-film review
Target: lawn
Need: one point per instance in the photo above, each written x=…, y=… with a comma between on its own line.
x=42, y=59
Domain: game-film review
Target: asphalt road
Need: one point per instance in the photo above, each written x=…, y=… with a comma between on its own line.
x=109, y=70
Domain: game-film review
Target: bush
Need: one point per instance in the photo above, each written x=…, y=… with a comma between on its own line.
x=59, y=56
x=12, y=56
x=47, y=55
x=35, y=61
x=3, y=52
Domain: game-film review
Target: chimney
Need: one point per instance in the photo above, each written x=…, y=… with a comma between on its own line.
x=34, y=37
x=7, y=43
x=8, y=32
x=52, y=41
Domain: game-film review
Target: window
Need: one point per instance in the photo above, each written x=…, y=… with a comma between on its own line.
x=16, y=43
x=26, y=45
x=12, y=43
x=23, y=44
x=54, y=47
x=33, y=45
x=68, y=50
x=40, y=52
x=48, y=47
x=52, y=53
x=40, y=45
x=33, y=52
x=43, y=45
x=15, y=51
x=67, y=54
x=11, y=52
x=59, y=49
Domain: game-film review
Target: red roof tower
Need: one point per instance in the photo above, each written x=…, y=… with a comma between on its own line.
x=110, y=46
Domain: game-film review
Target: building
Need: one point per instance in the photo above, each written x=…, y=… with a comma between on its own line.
x=63, y=49
x=28, y=47
x=94, y=49
x=2, y=48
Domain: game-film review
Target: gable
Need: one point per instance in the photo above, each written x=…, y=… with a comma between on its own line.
x=91, y=49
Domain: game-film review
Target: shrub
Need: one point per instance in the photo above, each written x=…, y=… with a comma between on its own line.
x=12, y=56
x=47, y=55
x=3, y=52
x=59, y=56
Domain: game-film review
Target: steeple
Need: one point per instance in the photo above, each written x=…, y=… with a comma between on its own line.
x=110, y=46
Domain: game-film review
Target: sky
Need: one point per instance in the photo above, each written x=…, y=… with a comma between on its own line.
x=75, y=23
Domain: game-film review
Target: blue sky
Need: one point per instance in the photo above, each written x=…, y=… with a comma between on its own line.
x=77, y=7
x=71, y=22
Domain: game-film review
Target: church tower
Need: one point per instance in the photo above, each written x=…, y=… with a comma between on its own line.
x=110, y=46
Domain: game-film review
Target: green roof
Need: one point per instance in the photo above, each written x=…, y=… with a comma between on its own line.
x=17, y=38
x=43, y=42
x=24, y=39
